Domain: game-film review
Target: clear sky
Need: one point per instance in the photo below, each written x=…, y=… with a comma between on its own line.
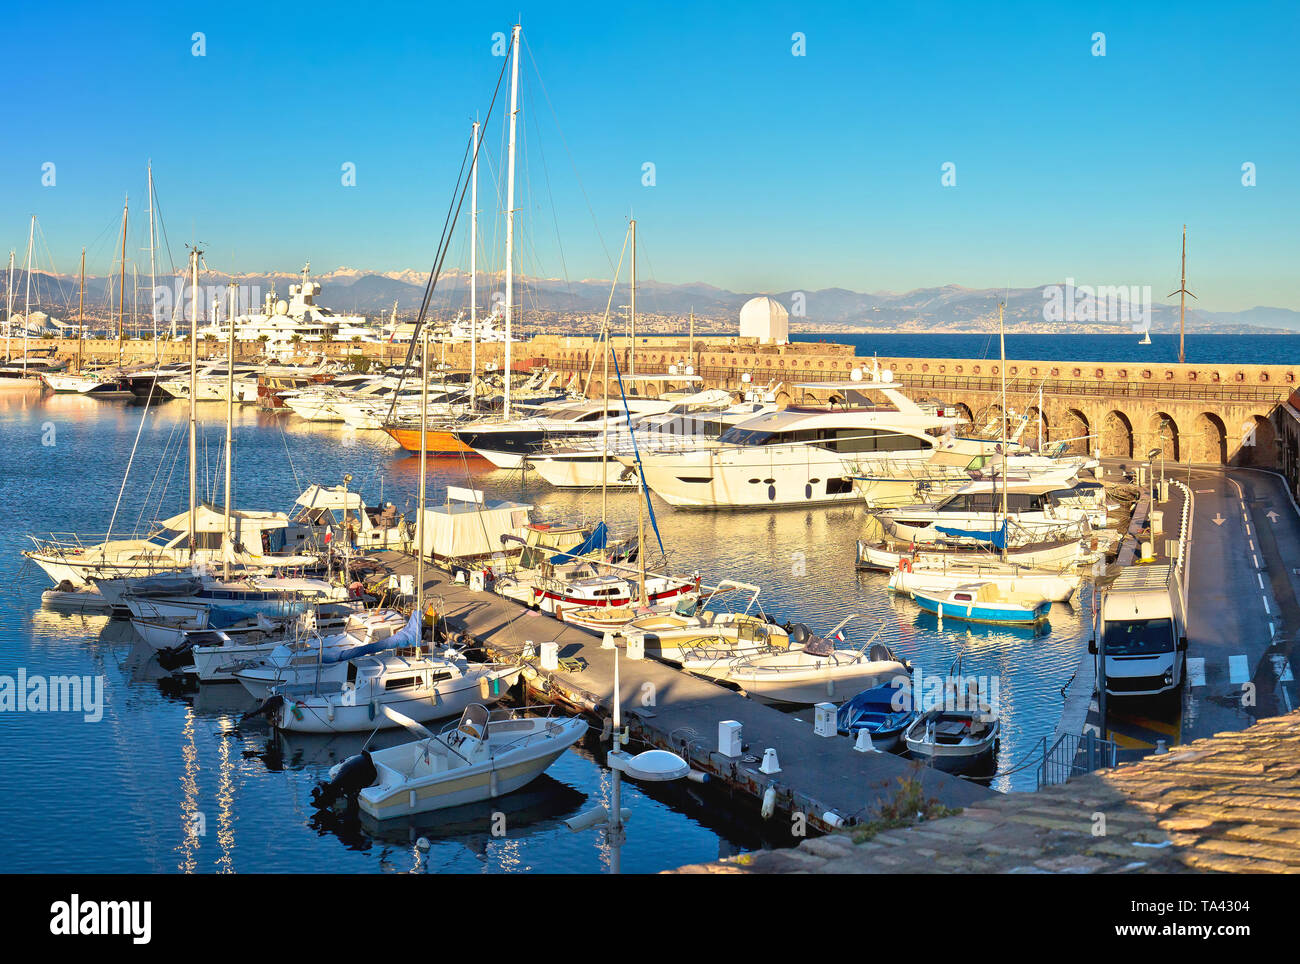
x=772, y=171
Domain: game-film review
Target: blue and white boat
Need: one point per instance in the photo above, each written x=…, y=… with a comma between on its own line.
x=877, y=710
x=985, y=602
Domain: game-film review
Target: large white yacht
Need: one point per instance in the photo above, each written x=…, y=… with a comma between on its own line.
x=799, y=455
x=280, y=322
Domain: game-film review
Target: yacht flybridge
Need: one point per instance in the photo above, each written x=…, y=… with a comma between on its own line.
x=284, y=323
x=800, y=455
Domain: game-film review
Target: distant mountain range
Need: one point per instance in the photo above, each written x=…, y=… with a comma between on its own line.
x=951, y=308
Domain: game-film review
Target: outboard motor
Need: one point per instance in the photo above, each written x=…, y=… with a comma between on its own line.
x=174, y=657
x=799, y=633
x=270, y=708
x=346, y=780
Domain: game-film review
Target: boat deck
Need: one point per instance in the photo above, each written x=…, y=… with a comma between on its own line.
x=671, y=709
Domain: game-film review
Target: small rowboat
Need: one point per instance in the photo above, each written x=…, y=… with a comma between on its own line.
x=883, y=711
x=986, y=603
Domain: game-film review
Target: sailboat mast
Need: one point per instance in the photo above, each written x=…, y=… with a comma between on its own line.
x=631, y=365
x=230, y=433
x=1002, y=344
x=27, y=298
x=9, y=311
x=420, y=501
x=640, y=495
x=194, y=364
x=510, y=206
x=473, y=271
x=81, y=309
x=153, y=270
x=121, y=287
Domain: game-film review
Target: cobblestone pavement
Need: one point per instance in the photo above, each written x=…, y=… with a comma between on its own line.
x=1228, y=803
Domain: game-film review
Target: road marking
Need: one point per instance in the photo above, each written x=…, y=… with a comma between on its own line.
x=1272, y=516
x=1203, y=491
x=1196, y=670
x=1247, y=528
x=1238, y=669
x=1267, y=609
x=1255, y=558
x=1259, y=577
x=1218, y=519
x=1252, y=544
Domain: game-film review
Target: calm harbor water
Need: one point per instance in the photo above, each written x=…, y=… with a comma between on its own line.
x=119, y=795
x=1199, y=349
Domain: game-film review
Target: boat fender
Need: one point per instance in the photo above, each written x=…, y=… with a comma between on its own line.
x=698, y=776
x=769, y=802
x=832, y=819
x=370, y=709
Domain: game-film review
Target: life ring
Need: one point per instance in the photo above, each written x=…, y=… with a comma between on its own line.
x=904, y=564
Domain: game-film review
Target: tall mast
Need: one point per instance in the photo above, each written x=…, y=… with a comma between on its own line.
x=631, y=365
x=9, y=311
x=1002, y=344
x=81, y=309
x=1182, y=293
x=510, y=205
x=27, y=298
x=194, y=364
x=473, y=270
x=121, y=292
x=640, y=493
x=424, y=448
x=228, y=540
x=153, y=270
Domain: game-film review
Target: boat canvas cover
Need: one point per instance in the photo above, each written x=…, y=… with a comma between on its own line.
x=464, y=529
x=407, y=636
x=995, y=537
x=319, y=497
x=593, y=542
x=208, y=518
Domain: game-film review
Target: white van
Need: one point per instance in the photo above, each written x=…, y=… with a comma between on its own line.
x=1143, y=637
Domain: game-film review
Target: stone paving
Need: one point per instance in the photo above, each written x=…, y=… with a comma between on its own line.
x=1229, y=803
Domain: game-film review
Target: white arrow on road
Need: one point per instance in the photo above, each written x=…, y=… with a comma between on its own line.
x=1272, y=516
x=1218, y=519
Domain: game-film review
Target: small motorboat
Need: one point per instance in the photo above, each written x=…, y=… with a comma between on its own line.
x=691, y=633
x=482, y=756
x=940, y=578
x=884, y=711
x=814, y=672
x=961, y=733
x=986, y=602
x=422, y=689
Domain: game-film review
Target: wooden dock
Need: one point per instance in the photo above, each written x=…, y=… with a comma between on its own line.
x=823, y=778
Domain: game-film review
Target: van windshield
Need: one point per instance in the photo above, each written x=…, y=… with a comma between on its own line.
x=1144, y=637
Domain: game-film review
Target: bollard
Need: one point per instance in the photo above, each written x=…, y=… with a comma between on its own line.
x=864, y=744
x=770, y=763
x=607, y=641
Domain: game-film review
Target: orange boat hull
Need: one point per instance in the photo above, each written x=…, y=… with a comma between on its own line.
x=436, y=442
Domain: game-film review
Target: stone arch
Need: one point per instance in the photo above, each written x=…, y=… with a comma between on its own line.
x=988, y=415
x=963, y=410
x=1210, y=442
x=1164, y=435
x=1258, y=442
x=1076, y=427
x=783, y=399
x=1117, y=435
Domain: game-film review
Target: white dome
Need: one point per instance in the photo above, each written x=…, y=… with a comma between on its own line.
x=766, y=319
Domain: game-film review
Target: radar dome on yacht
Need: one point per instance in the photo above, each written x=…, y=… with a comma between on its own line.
x=282, y=307
x=766, y=319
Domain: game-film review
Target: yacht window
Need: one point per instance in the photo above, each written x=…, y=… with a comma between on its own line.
x=400, y=683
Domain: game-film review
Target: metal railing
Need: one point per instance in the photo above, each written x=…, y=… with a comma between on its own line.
x=1073, y=755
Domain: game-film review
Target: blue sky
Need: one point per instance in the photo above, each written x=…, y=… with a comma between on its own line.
x=772, y=171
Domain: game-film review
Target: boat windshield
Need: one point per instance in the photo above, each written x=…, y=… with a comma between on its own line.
x=1141, y=637
x=165, y=537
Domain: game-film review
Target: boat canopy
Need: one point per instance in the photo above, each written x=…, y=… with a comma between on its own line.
x=996, y=537
x=593, y=542
x=338, y=497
